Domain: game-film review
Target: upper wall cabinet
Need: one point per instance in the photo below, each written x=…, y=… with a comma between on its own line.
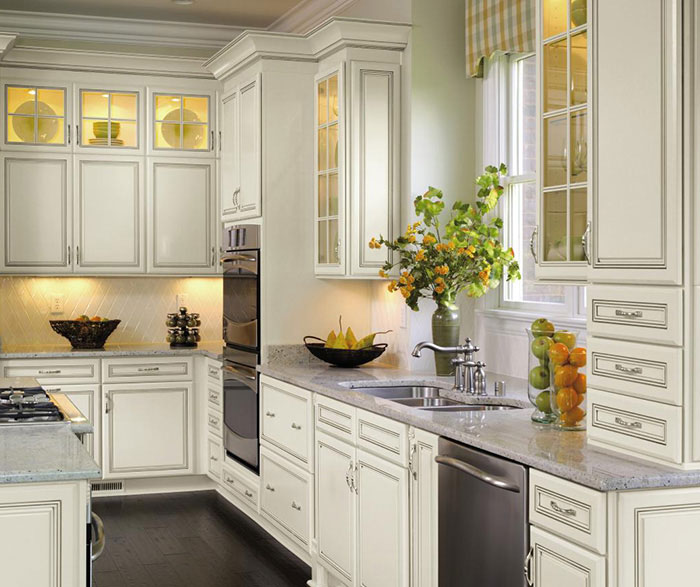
x=638, y=118
x=357, y=177
x=560, y=242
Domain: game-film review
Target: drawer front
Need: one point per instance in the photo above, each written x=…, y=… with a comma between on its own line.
x=575, y=512
x=285, y=496
x=637, y=425
x=147, y=369
x=54, y=371
x=215, y=423
x=235, y=483
x=215, y=451
x=640, y=370
x=335, y=418
x=383, y=437
x=214, y=374
x=215, y=397
x=287, y=419
x=643, y=314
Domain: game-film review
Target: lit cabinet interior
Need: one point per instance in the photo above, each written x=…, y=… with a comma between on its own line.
x=35, y=115
x=181, y=122
x=108, y=119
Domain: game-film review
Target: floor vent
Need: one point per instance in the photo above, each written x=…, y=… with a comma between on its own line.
x=107, y=488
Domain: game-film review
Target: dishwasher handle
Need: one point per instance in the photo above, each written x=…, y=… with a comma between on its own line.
x=493, y=480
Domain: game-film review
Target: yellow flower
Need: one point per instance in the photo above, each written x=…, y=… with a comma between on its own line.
x=451, y=245
x=392, y=287
x=442, y=269
x=439, y=281
x=428, y=240
x=440, y=288
x=485, y=274
x=403, y=280
x=420, y=255
x=416, y=225
x=441, y=247
x=411, y=238
x=382, y=273
x=405, y=293
x=470, y=250
x=373, y=244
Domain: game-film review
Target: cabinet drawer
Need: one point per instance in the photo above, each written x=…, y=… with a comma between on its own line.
x=215, y=452
x=286, y=419
x=635, y=424
x=215, y=397
x=54, y=371
x=335, y=418
x=645, y=314
x=286, y=496
x=214, y=374
x=578, y=513
x=148, y=369
x=247, y=491
x=641, y=370
x=215, y=423
x=382, y=436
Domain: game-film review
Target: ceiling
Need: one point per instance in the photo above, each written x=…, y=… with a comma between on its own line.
x=243, y=13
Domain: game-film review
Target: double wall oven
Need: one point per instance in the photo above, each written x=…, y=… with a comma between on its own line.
x=241, y=333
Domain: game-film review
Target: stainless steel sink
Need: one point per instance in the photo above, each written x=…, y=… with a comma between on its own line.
x=469, y=408
x=427, y=402
x=400, y=392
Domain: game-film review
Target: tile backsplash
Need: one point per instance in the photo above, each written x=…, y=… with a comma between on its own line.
x=141, y=303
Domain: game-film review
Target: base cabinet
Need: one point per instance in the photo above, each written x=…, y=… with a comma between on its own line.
x=135, y=443
x=87, y=399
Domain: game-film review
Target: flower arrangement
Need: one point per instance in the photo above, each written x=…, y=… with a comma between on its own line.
x=437, y=261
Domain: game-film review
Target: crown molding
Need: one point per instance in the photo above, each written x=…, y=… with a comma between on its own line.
x=117, y=30
x=308, y=14
x=7, y=41
x=334, y=34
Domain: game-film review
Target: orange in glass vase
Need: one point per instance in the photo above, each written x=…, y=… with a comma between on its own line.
x=568, y=401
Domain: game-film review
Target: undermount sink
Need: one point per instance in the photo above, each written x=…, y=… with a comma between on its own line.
x=427, y=402
x=459, y=407
x=401, y=391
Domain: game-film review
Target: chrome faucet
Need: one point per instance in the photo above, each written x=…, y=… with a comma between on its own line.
x=470, y=375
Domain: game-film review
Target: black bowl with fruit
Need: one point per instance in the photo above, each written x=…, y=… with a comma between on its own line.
x=85, y=332
x=344, y=349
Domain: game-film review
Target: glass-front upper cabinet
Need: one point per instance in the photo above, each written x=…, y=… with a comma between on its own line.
x=329, y=222
x=560, y=242
x=35, y=116
x=109, y=119
x=181, y=122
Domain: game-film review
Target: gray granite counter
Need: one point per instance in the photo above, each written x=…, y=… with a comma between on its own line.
x=508, y=433
x=213, y=350
x=36, y=453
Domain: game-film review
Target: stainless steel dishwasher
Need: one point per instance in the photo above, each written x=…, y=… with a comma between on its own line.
x=482, y=518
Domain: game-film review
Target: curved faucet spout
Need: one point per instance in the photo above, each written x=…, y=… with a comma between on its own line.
x=432, y=346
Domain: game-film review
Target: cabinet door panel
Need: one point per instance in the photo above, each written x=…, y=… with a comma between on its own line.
x=108, y=215
x=424, y=504
x=637, y=216
x=37, y=213
x=181, y=222
x=335, y=505
x=230, y=161
x=138, y=445
x=556, y=563
x=249, y=197
x=382, y=510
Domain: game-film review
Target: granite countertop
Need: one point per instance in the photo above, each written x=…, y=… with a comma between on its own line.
x=35, y=453
x=508, y=433
x=213, y=350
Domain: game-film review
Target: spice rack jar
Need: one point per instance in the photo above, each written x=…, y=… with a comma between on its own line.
x=183, y=329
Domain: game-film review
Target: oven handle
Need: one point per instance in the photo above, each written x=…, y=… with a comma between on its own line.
x=239, y=257
x=499, y=482
x=241, y=374
x=99, y=545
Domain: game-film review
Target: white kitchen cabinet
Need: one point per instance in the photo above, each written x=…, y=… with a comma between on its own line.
x=637, y=215
x=109, y=209
x=424, y=508
x=36, y=223
x=181, y=222
x=51, y=519
x=382, y=522
x=555, y=563
x=148, y=429
x=241, y=154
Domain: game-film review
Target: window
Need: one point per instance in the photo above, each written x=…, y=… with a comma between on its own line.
x=517, y=88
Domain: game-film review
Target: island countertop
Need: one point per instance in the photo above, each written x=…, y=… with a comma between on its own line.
x=43, y=452
x=213, y=350
x=507, y=433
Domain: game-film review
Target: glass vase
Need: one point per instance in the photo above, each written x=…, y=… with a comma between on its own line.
x=538, y=377
x=568, y=383
x=446, y=323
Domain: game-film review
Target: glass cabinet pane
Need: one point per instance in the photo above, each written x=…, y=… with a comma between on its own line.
x=578, y=221
x=323, y=196
x=182, y=122
x=35, y=115
x=333, y=98
x=554, y=15
x=579, y=13
x=333, y=146
x=555, y=229
x=322, y=102
x=554, y=140
x=554, y=76
x=108, y=119
x=579, y=147
x=579, y=69
x=323, y=241
x=95, y=105
x=333, y=242
x=333, y=194
x=322, y=149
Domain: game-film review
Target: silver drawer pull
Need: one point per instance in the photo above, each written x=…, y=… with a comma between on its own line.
x=49, y=371
x=52, y=389
x=213, y=458
x=214, y=372
x=229, y=480
x=213, y=395
x=295, y=506
x=269, y=487
x=632, y=370
x=296, y=426
x=560, y=510
x=625, y=314
x=621, y=422
x=214, y=421
x=270, y=414
x=248, y=493
x=148, y=369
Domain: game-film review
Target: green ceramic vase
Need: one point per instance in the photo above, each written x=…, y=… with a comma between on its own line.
x=445, y=333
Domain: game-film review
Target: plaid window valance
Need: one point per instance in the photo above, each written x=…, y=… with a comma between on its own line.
x=498, y=25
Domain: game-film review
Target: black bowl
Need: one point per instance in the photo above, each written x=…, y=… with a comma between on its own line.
x=85, y=334
x=344, y=357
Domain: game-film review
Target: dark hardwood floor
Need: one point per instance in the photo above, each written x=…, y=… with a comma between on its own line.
x=189, y=540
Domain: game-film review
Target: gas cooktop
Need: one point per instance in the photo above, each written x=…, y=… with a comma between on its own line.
x=23, y=404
